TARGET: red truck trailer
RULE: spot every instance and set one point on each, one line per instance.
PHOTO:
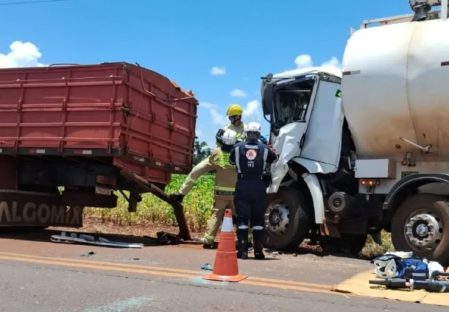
(71, 135)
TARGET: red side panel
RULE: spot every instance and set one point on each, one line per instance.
(115, 110)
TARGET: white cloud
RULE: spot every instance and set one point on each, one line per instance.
(21, 54)
(303, 61)
(238, 93)
(198, 132)
(207, 105)
(252, 112)
(332, 64)
(217, 70)
(217, 118)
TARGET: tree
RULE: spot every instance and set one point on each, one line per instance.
(200, 151)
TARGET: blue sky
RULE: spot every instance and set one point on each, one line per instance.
(218, 49)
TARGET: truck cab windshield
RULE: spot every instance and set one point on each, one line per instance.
(290, 104)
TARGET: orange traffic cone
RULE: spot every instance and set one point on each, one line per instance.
(225, 266)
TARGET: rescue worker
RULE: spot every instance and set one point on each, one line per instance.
(252, 159)
(225, 179)
(234, 113)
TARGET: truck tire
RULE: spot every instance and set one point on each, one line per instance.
(287, 220)
(421, 225)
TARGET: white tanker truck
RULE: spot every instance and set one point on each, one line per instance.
(366, 149)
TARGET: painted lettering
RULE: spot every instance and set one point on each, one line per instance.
(77, 215)
(5, 215)
(57, 214)
(16, 218)
(29, 212)
(43, 213)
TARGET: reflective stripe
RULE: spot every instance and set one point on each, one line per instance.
(224, 188)
(257, 228)
(242, 227)
(223, 193)
(265, 156)
(227, 226)
(251, 146)
(237, 159)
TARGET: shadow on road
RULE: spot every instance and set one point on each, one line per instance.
(320, 251)
(165, 238)
(43, 235)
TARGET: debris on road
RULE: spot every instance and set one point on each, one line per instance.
(81, 238)
(207, 267)
(90, 253)
(167, 238)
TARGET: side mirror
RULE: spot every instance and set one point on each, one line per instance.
(267, 98)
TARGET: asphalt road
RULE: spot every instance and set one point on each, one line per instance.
(38, 275)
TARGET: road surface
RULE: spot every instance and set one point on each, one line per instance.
(39, 275)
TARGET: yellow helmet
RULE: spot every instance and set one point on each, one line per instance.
(234, 110)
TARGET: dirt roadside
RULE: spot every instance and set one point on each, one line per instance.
(98, 226)
(109, 228)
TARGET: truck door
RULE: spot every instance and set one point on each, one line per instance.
(291, 108)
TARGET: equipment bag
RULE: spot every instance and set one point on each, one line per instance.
(391, 266)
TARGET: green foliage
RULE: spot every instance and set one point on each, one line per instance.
(372, 249)
(197, 206)
(200, 151)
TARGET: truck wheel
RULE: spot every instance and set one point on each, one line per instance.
(286, 219)
(421, 225)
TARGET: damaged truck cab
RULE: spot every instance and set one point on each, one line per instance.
(366, 149)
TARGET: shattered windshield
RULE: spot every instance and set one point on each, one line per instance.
(291, 103)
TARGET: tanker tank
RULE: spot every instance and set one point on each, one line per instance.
(395, 91)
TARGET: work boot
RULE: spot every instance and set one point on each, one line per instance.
(209, 243)
(212, 245)
(242, 255)
(258, 237)
(242, 244)
(259, 255)
(250, 246)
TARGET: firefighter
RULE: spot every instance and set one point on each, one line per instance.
(225, 179)
(234, 113)
(252, 159)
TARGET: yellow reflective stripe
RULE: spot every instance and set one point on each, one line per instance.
(224, 188)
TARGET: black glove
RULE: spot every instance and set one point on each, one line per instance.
(266, 178)
(219, 134)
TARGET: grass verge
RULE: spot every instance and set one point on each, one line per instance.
(198, 208)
